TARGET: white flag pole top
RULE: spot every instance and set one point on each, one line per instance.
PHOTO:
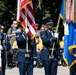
(18, 9)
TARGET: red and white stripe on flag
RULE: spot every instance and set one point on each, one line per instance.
(69, 10)
(25, 15)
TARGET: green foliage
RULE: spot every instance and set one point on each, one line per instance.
(7, 12)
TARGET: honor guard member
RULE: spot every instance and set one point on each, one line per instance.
(49, 37)
(27, 53)
(72, 70)
(4, 46)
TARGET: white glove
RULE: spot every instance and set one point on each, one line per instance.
(26, 30)
(34, 62)
(1, 48)
(56, 35)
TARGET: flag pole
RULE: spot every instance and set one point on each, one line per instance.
(27, 37)
(58, 23)
(18, 10)
(52, 56)
(27, 55)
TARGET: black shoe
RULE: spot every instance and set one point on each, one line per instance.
(14, 65)
(40, 65)
(64, 64)
(34, 65)
(9, 65)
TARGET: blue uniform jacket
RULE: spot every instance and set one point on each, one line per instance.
(6, 46)
(21, 42)
(48, 40)
(5, 42)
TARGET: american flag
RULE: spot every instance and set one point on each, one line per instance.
(25, 15)
(69, 10)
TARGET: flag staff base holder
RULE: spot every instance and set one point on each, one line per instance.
(51, 56)
(27, 55)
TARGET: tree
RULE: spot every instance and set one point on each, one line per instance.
(47, 9)
(7, 12)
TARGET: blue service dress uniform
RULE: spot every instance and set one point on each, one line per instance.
(73, 70)
(50, 65)
(25, 64)
(6, 46)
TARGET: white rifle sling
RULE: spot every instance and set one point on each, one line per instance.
(27, 45)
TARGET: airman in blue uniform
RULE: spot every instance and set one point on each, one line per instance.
(73, 70)
(49, 37)
(4, 46)
(24, 57)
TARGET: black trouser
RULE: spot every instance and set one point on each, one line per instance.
(3, 68)
(25, 69)
(50, 67)
(10, 59)
(1, 73)
(3, 55)
(73, 70)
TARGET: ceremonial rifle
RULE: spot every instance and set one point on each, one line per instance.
(52, 56)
